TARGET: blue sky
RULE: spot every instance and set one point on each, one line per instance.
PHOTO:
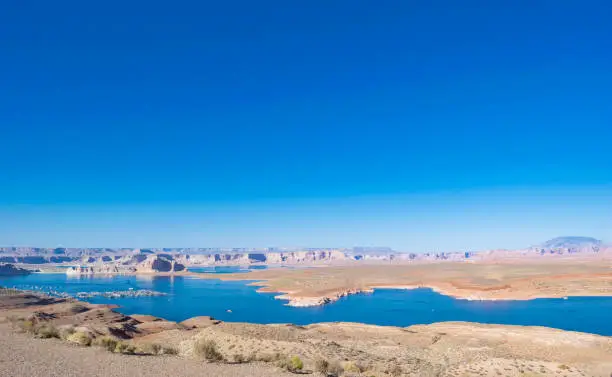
(421, 125)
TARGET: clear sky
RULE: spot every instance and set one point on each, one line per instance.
(421, 125)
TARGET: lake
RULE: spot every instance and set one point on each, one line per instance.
(189, 297)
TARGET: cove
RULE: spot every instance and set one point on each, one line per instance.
(189, 297)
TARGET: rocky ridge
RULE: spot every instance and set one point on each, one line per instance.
(116, 258)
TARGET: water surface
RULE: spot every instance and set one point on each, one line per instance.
(190, 297)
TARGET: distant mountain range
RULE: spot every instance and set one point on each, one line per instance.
(572, 242)
(119, 258)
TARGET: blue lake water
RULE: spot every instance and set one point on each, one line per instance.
(190, 297)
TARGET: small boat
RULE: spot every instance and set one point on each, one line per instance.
(229, 310)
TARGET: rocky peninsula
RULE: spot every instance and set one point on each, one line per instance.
(499, 280)
(7, 269)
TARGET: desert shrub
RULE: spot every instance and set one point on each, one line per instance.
(239, 358)
(296, 364)
(208, 349)
(26, 326)
(125, 348)
(266, 357)
(321, 366)
(292, 364)
(167, 350)
(354, 367)
(79, 337)
(350, 367)
(150, 348)
(107, 342)
(564, 367)
(283, 363)
(65, 332)
(335, 369)
(47, 331)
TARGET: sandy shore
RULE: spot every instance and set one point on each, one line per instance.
(470, 281)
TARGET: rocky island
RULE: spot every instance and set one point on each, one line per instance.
(7, 269)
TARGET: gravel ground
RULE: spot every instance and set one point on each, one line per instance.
(24, 356)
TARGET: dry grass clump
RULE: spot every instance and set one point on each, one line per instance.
(266, 357)
(107, 342)
(65, 332)
(239, 358)
(80, 338)
(167, 350)
(352, 367)
(25, 325)
(150, 348)
(321, 366)
(333, 368)
(293, 364)
(207, 349)
(47, 331)
(124, 348)
(156, 349)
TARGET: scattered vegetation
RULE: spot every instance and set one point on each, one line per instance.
(80, 337)
(107, 342)
(239, 358)
(293, 364)
(353, 367)
(26, 326)
(322, 366)
(47, 331)
(125, 348)
(208, 349)
(150, 348)
(65, 332)
(335, 369)
(169, 350)
(266, 357)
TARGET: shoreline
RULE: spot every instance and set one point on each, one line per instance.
(502, 291)
(297, 301)
(439, 348)
(149, 317)
(474, 294)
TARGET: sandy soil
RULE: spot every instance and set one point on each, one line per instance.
(478, 281)
(24, 356)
